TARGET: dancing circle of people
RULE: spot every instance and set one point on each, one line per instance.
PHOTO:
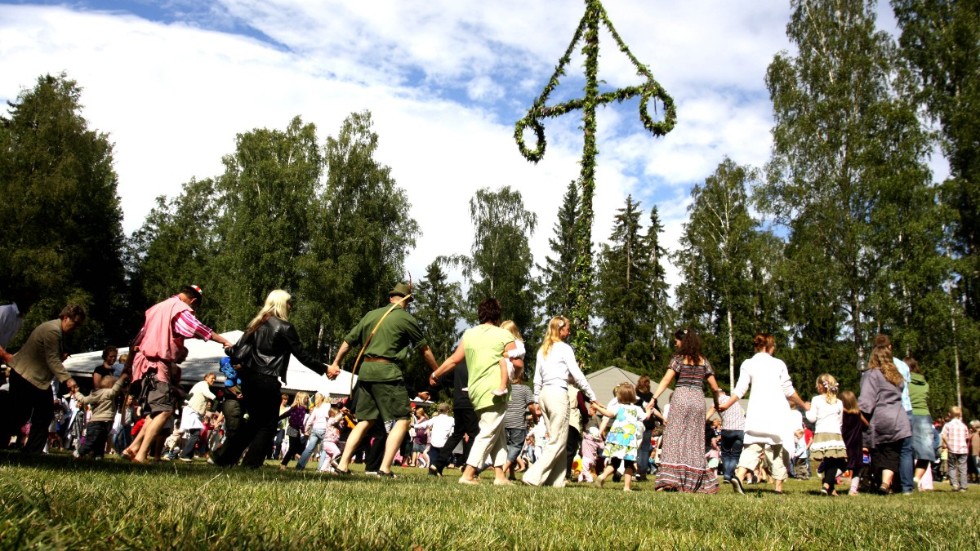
(554, 431)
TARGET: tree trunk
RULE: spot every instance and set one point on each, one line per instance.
(731, 352)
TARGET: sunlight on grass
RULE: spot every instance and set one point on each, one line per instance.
(54, 502)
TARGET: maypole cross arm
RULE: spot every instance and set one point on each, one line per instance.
(588, 33)
(595, 15)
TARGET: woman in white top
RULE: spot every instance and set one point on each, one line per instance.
(768, 410)
(555, 366)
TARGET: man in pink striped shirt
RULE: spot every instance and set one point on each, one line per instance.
(158, 349)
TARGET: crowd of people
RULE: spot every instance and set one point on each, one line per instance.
(881, 438)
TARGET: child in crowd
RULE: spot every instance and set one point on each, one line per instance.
(852, 433)
(955, 438)
(507, 368)
(329, 449)
(171, 446)
(591, 445)
(440, 428)
(827, 412)
(103, 404)
(713, 455)
(623, 440)
(801, 455)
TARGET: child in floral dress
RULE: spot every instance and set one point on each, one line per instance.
(623, 441)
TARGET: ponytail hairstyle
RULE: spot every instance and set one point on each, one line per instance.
(760, 342)
(553, 334)
(690, 348)
(827, 386)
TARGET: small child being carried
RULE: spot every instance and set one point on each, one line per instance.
(514, 362)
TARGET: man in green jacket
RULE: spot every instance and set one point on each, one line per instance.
(34, 366)
(388, 332)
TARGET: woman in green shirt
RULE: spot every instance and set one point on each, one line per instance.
(484, 347)
(923, 433)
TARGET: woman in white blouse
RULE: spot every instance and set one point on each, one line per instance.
(768, 411)
(555, 368)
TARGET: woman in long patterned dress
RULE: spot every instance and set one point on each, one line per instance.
(682, 463)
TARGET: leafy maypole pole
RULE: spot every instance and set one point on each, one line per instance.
(588, 33)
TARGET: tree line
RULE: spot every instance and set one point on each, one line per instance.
(841, 235)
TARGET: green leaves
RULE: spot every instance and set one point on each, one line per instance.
(61, 211)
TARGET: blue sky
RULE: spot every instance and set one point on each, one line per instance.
(172, 82)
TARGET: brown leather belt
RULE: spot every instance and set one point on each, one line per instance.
(377, 360)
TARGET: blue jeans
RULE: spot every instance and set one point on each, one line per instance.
(731, 449)
(315, 437)
(906, 464)
(193, 435)
(515, 441)
(643, 454)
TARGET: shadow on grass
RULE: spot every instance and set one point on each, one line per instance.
(65, 463)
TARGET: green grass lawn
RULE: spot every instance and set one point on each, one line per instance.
(53, 502)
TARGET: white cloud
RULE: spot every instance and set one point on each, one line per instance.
(445, 81)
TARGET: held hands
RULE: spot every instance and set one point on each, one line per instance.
(332, 371)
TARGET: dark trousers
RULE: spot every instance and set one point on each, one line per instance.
(193, 435)
(296, 446)
(466, 424)
(276, 450)
(26, 402)
(261, 397)
(731, 449)
(571, 448)
(376, 439)
(830, 467)
(96, 435)
(234, 415)
(643, 454)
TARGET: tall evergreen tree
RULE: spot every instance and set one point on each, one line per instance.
(847, 148)
(662, 315)
(941, 39)
(626, 292)
(558, 273)
(438, 303)
(63, 224)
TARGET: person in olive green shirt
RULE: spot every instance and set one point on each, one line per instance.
(34, 365)
(484, 347)
(381, 393)
(923, 432)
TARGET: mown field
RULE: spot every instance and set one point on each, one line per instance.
(53, 502)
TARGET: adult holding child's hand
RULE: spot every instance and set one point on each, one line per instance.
(556, 366)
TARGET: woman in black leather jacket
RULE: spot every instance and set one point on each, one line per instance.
(270, 340)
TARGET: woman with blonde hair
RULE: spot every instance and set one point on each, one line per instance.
(556, 366)
(881, 404)
(263, 353)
